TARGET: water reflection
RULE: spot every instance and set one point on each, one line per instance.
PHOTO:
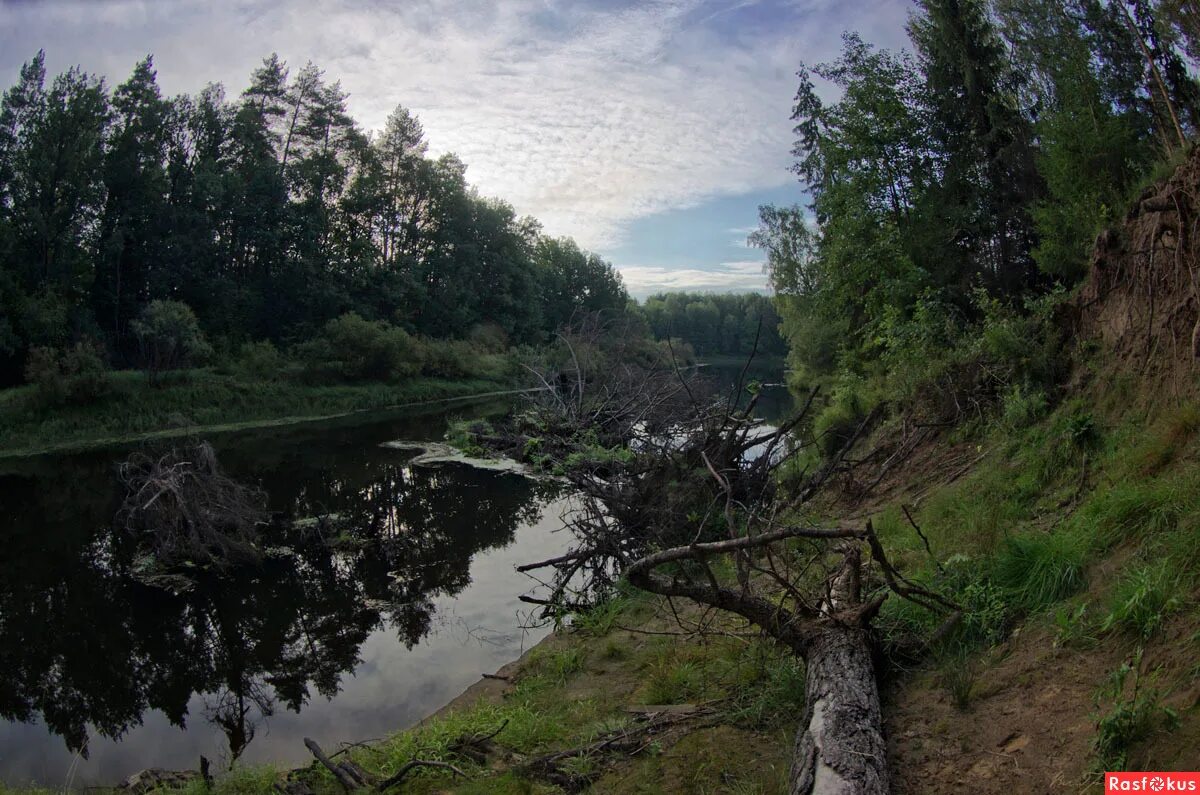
(90, 651)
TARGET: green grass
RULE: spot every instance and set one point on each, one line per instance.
(1134, 712)
(558, 665)
(959, 677)
(1038, 569)
(32, 790)
(193, 401)
(1142, 600)
(241, 780)
(1019, 534)
(674, 682)
(626, 603)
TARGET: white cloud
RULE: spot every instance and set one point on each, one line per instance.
(585, 117)
(729, 277)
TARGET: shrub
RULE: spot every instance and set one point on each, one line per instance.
(839, 421)
(76, 375)
(462, 435)
(355, 349)
(169, 337)
(986, 616)
(489, 337)
(260, 360)
(450, 359)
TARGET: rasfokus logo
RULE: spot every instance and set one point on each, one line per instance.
(1151, 782)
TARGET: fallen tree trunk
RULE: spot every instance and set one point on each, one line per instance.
(839, 748)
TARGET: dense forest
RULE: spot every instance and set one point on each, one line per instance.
(133, 221)
(957, 190)
(716, 325)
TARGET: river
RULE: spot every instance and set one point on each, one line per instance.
(102, 675)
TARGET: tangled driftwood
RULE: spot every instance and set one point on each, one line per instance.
(701, 482)
(186, 510)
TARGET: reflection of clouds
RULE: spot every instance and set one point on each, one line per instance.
(585, 115)
(390, 689)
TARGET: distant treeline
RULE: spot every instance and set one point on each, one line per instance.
(716, 325)
(269, 215)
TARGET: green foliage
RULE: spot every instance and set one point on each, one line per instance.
(673, 682)
(352, 348)
(1132, 509)
(1134, 713)
(1022, 406)
(134, 409)
(716, 325)
(1073, 627)
(574, 282)
(1168, 439)
(943, 183)
(489, 337)
(241, 780)
(1142, 600)
(1038, 569)
(76, 375)
(959, 676)
(464, 435)
(260, 360)
(841, 417)
(557, 665)
(623, 604)
(988, 613)
(597, 457)
(169, 337)
(449, 359)
(771, 687)
(114, 199)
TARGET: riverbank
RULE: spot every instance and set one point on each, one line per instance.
(685, 714)
(191, 402)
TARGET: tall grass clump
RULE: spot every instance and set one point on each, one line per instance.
(1038, 569)
(1142, 600)
(1132, 509)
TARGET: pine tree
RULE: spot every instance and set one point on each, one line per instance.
(132, 242)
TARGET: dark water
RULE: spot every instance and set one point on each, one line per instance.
(775, 403)
(418, 601)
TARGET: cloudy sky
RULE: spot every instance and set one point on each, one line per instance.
(648, 131)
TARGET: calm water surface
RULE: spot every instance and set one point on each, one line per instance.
(419, 599)
(339, 646)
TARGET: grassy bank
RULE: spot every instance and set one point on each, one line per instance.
(201, 400)
(1073, 543)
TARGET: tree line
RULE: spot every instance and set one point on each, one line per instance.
(716, 324)
(958, 186)
(267, 215)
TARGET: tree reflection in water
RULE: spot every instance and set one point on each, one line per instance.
(84, 643)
